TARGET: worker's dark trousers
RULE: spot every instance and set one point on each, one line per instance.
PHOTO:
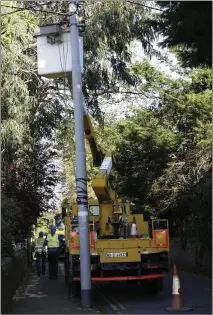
(53, 264)
(40, 263)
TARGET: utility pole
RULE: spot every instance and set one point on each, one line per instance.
(81, 177)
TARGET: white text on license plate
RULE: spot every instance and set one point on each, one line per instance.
(112, 255)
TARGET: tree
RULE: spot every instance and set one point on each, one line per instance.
(187, 28)
(10, 217)
(107, 46)
(164, 154)
(142, 153)
(111, 26)
(162, 149)
(29, 118)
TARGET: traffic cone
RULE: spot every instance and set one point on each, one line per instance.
(133, 228)
(177, 296)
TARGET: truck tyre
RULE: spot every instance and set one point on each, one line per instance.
(77, 288)
(156, 287)
(74, 286)
(66, 268)
(160, 290)
(70, 276)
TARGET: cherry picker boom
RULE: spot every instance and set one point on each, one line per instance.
(123, 246)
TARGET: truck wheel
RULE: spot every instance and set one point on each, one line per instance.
(70, 277)
(160, 290)
(131, 282)
(74, 286)
(77, 288)
(66, 269)
(156, 287)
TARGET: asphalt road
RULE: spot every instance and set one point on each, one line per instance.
(133, 298)
(42, 296)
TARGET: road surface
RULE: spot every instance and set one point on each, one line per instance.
(132, 298)
(42, 296)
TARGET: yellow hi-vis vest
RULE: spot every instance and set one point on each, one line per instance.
(53, 241)
(39, 248)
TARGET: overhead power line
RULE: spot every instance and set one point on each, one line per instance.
(12, 12)
(143, 5)
(31, 9)
(63, 14)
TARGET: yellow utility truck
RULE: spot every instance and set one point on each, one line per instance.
(123, 246)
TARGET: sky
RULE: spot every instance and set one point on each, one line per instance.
(138, 56)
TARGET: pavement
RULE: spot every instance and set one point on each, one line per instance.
(43, 296)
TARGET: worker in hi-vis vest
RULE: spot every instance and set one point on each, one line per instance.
(40, 254)
(53, 250)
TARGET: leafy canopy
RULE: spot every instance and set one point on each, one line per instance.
(186, 28)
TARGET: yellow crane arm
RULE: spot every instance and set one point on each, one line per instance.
(100, 183)
(97, 153)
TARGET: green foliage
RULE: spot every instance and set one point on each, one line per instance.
(111, 26)
(182, 105)
(199, 223)
(186, 28)
(162, 149)
(29, 118)
(68, 176)
(11, 214)
(163, 153)
(142, 153)
(43, 221)
(107, 47)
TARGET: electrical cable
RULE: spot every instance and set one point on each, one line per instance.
(12, 12)
(63, 70)
(143, 5)
(45, 3)
(71, 142)
(22, 9)
(65, 14)
(33, 9)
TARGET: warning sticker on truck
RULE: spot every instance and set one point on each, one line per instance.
(112, 255)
